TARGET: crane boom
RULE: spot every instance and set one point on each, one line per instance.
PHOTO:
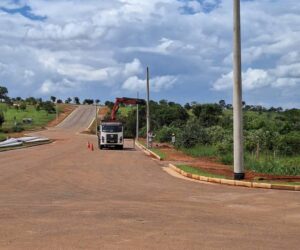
(125, 100)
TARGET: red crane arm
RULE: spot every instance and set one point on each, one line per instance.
(125, 100)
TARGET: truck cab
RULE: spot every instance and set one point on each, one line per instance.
(110, 134)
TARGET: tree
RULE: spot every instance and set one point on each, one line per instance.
(68, 100)
(109, 104)
(3, 92)
(53, 98)
(31, 101)
(23, 106)
(167, 114)
(59, 101)
(187, 106)
(97, 101)
(88, 101)
(2, 118)
(163, 102)
(76, 100)
(222, 103)
(208, 114)
(192, 134)
(48, 106)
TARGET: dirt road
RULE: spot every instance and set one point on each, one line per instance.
(62, 196)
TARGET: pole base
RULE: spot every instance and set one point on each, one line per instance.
(239, 176)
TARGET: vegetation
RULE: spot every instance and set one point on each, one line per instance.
(14, 118)
(17, 114)
(272, 136)
(197, 171)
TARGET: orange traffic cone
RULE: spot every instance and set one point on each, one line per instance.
(88, 145)
(92, 147)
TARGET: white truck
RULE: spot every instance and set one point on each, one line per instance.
(111, 135)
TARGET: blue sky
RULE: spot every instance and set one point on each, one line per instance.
(100, 49)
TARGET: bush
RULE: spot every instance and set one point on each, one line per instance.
(2, 119)
(208, 114)
(192, 134)
(48, 106)
(216, 134)
(165, 134)
(226, 158)
(289, 144)
(23, 106)
(17, 129)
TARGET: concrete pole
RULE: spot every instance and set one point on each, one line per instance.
(148, 107)
(239, 172)
(96, 120)
(56, 111)
(137, 119)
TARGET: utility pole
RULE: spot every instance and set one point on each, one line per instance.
(137, 119)
(148, 107)
(96, 120)
(56, 111)
(239, 172)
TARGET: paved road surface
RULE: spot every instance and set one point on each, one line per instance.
(62, 196)
(79, 119)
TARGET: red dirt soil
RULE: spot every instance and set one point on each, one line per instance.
(67, 110)
(211, 165)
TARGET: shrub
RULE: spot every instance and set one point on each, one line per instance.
(165, 134)
(49, 107)
(289, 144)
(192, 134)
(208, 114)
(23, 106)
(2, 119)
(17, 129)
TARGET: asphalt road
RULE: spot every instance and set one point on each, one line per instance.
(63, 196)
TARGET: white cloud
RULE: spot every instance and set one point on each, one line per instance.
(50, 87)
(108, 43)
(133, 68)
(280, 77)
(157, 84)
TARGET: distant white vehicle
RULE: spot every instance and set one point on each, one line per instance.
(111, 135)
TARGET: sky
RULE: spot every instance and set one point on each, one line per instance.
(100, 49)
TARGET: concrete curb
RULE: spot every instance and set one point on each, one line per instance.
(147, 151)
(248, 184)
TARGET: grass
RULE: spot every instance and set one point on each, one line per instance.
(162, 155)
(201, 151)
(2, 137)
(209, 152)
(281, 165)
(12, 116)
(197, 171)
